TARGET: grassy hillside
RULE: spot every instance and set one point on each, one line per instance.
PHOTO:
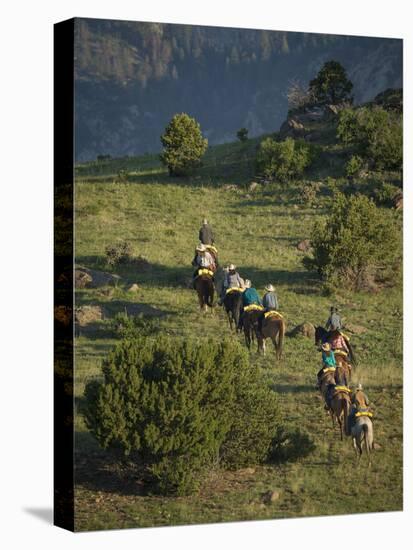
(258, 231)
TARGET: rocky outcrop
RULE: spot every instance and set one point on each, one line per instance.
(84, 315)
(304, 246)
(305, 329)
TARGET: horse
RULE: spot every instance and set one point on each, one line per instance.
(342, 374)
(363, 431)
(322, 335)
(340, 409)
(232, 303)
(272, 327)
(204, 286)
(250, 320)
(326, 379)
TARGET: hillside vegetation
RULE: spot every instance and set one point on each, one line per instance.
(258, 228)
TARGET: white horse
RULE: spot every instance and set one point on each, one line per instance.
(363, 430)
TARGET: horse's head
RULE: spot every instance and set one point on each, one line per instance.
(319, 334)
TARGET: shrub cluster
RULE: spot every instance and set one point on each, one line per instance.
(118, 253)
(130, 326)
(376, 135)
(357, 242)
(181, 408)
(282, 160)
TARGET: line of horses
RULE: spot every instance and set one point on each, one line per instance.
(251, 320)
(258, 327)
(336, 380)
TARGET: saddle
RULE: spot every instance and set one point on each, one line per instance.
(253, 307)
(269, 314)
(341, 389)
(329, 369)
(340, 352)
(205, 271)
(364, 412)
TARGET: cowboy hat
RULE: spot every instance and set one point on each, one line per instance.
(205, 221)
(326, 346)
(359, 387)
(247, 283)
(231, 267)
(269, 288)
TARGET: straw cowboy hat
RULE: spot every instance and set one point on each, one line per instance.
(326, 346)
(247, 283)
(201, 248)
(232, 267)
(359, 387)
(205, 221)
(269, 288)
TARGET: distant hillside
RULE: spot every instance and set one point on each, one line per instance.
(132, 77)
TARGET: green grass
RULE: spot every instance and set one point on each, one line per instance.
(258, 231)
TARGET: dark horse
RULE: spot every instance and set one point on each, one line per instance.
(250, 320)
(273, 327)
(321, 335)
(232, 304)
(204, 285)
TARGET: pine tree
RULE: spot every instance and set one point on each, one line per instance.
(331, 84)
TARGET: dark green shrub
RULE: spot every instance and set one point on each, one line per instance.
(308, 192)
(282, 160)
(181, 407)
(242, 134)
(118, 253)
(385, 194)
(356, 243)
(375, 133)
(183, 145)
(131, 326)
(331, 84)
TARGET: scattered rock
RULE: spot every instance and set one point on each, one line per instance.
(305, 329)
(99, 278)
(398, 200)
(133, 288)
(304, 246)
(271, 496)
(253, 185)
(63, 314)
(296, 207)
(246, 471)
(82, 278)
(88, 314)
(355, 329)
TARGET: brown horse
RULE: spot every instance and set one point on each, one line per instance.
(250, 320)
(274, 328)
(342, 374)
(340, 409)
(204, 286)
(326, 379)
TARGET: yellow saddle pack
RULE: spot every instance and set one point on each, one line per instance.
(211, 247)
(253, 307)
(363, 413)
(340, 352)
(329, 369)
(276, 314)
(234, 289)
(339, 389)
(205, 271)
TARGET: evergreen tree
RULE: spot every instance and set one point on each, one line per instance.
(183, 145)
(331, 84)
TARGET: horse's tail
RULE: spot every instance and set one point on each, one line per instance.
(346, 413)
(281, 334)
(368, 438)
(236, 309)
(209, 294)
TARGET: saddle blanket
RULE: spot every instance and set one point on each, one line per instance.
(205, 271)
(211, 247)
(273, 314)
(363, 413)
(253, 307)
(234, 289)
(340, 352)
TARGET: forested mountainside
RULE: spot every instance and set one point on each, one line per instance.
(132, 77)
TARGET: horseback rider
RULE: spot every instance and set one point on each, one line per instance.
(250, 297)
(270, 300)
(232, 279)
(360, 403)
(334, 321)
(328, 361)
(206, 235)
(203, 259)
(338, 342)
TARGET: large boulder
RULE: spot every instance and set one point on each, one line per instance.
(82, 278)
(305, 329)
(304, 246)
(398, 200)
(293, 128)
(97, 278)
(84, 315)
